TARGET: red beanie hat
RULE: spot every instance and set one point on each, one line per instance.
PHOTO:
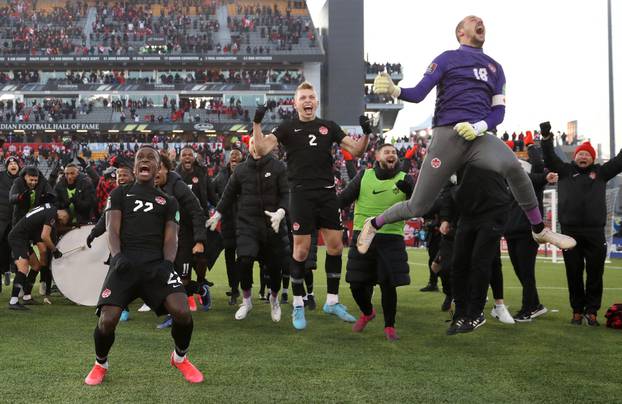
(586, 146)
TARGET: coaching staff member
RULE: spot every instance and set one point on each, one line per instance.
(582, 211)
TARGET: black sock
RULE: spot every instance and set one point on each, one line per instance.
(309, 281)
(389, 304)
(30, 281)
(46, 276)
(285, 281)
(362, 296)
(297, 275)
(18, 283)
(333, 273)
(182, 333)
(103, 343)
(537, 228)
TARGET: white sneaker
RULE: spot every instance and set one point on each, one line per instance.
(243, 311)
(144, 308)
(502, 314)
(557, 239)
(275, 309)
(366, 236)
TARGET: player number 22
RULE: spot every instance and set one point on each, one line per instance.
(148, 206)
(312, 140)
(481, 74)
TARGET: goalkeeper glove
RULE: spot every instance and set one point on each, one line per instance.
(545, 129)
(275, 218)
(383, 85)
(471, 131)
(212, 222)
(259, 114)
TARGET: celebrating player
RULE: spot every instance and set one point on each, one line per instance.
(142, 225)
(308, 140)
(470, 102)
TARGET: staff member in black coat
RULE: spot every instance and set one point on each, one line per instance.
(582, 211)
(75, 193)
(258, 187)
(29, 190)
(6, 213)
(227, 225)
(191, 237)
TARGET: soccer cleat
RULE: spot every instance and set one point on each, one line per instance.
(190, 372)
(469, 326)
(522, 316)
(340, 311)
(539, 311)
(243, 311)
(144, 308)
(31, 302)
(366, 236)
(390, 333)
(455, 325)
(192, 304)
(430, 287)
(502, 314)
(167, 323)
(577, 319)
(362, 321)
(7, 278)
(310, 302)
(446, 306)
(275, 309)
(17, 306)
(298, 318)
(206, 297)
(96, 375)
(125, 315)
(557, 239)
(590, 319)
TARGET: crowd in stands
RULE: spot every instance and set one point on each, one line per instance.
(391, 68)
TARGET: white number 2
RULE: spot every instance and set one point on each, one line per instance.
(312, 140)
(481, 74)
(148, 206)
(173, 279)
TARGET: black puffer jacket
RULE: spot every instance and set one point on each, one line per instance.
(227, 223)
(200, 185)
(84, 200)
(6, 209)
(256, 186)
(192, 218)
(21, 201)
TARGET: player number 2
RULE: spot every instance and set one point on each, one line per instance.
(173, 279)
(148, 206)
(312, 140)
(481, 74)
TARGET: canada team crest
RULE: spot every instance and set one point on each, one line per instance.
(160, 200)
(106, 293)
(436, 162)
(323, 130)
(195, 180)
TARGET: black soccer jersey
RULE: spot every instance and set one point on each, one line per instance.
(30, 226)
(308, 146)
(145, 211)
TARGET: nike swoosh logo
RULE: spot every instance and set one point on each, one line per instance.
(297, 130)
(130, 195)
(575, 175)
(378, 192)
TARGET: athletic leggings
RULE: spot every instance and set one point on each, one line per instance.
(362, 293)
(448, 152)
(231, 269)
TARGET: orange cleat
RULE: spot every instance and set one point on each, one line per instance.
(192, 304)
(96, 375)
(190, 372)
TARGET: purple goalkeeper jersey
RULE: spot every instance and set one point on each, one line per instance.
(469, 83)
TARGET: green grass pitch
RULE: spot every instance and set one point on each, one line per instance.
(45, 353)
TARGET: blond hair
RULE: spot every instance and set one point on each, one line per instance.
(304, 86)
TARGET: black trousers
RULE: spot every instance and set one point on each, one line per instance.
(476, 247)
(496, 276)
(434, 244)
(523, 252)
(589, 256)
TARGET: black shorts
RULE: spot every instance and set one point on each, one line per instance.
(20, 248)
(252, 245)
(314, 209)
(386, 261)
(152, 282)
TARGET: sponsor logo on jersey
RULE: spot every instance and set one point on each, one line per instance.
(378, 192)
(195, 180)
(593, 175)
(323, 130)
(436, 162)
(492, 68)
(297, 130)
(160, 200)
(106, 293)
(431, 68)
(295, 226)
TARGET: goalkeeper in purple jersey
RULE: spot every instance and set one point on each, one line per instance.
(470, 102)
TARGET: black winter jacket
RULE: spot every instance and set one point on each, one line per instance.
(192, 219)
(227, 223)
(6, 209)
(84, 199)
(19, 196)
